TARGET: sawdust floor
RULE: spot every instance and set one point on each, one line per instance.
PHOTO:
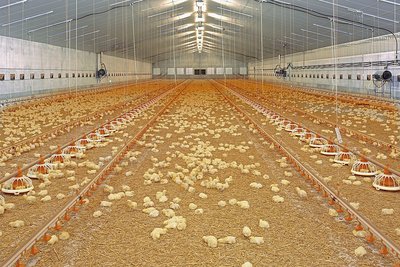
(301, 232)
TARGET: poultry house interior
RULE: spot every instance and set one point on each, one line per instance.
(199, 133)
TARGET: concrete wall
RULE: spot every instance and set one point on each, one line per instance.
(48, 68)
(356, 62)
(210, 61)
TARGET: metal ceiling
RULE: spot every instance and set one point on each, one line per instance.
(165, 28)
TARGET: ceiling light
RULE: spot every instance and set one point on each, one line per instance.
(317, 33)
(235, 12)
(358, 11)
(28, 18)
(200, 19)
(389, 2)
(51, 25)
(308, 37)
(64, 32)
(327, 28)
(199, 3)
(82, 35)
(121, 2)
(13, 4)
(165, 12)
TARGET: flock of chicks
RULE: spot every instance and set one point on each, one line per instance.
(26, 121)
(65, 176)
(191, 164)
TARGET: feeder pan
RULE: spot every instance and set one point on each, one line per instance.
(121, 121)
(95, 137)
(387, 181)
(275, 119)
(111, 128)
(317, 142)
(115, 124)
(363, 167)
(290, 127)
(307, 136)
(282, 123)
(330, 149)
(299, 131)
(266, 113)
(126, 117)
(130, 115)
(73, 150)
(344, 157)
(17, 185)
(59, 157)
(2, 200)
(84, 142)
(41, 168)
(103, 132)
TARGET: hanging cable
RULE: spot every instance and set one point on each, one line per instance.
(134, 45)
(173, 40)
(262, 47)
(222, 43)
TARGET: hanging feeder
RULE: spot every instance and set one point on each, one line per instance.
(121, 121)
(18, 185)
(103, 132)
(299, 131)
(317, 142)
(84, 142)
(363, 167)
(73, 150)
(307, 136)
(290, 127)
(344, 157)
(111, 128)
(330, 149)
(387, 181)
(275, 119)
(42, 168)
(283, 123)
(59, 157)
(95, 137)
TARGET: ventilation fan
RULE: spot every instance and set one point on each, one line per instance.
(380, 78)
(280, 72)
(102, 72)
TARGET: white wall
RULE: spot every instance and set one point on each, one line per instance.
(201, 61)
(32, 58)
(315, 63)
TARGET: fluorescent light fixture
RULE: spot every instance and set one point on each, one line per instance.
(28, 18)
(82, 35)
(296, 40)
(307, 37)
(182, 16)
(218, 27)
(389, 2)
(199, 3)
(13, 4)
(64, 32)
(359, 11)
(316, 33)
(381, 18)
(164, 12)
(121, 2)
(99, 37)
(235, 12)
(327, 28)
(51, 25)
